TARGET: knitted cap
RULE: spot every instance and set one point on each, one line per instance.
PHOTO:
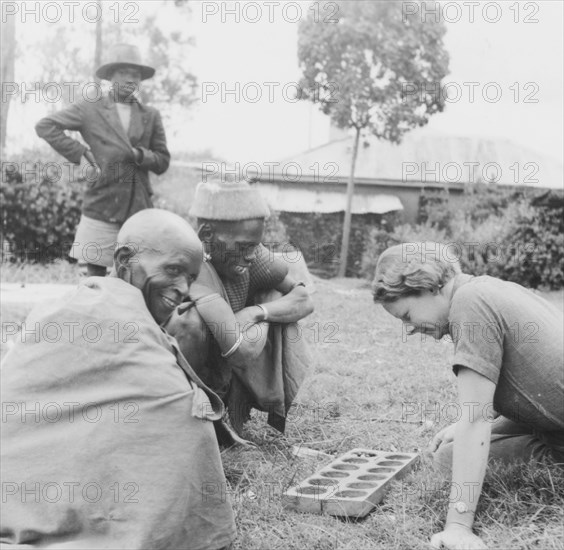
(228, 201)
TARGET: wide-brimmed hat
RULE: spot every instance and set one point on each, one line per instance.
(123, 54)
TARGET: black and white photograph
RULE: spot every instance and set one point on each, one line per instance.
(282, 275)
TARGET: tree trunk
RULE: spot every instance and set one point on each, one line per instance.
(98, 50)
(348, 210)
(7, 75)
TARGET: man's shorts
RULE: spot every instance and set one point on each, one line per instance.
(95, 242)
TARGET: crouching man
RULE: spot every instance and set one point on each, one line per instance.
(107, 434)
(241, 337)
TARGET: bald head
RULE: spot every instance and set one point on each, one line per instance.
(149, 229)
(159, 253)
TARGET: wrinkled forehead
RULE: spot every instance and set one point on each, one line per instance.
(188, 258)
(240, 230)
(164, 241)
(177, 245)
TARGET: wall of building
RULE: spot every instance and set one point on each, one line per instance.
(408, 193)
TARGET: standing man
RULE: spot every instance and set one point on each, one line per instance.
(126, 140)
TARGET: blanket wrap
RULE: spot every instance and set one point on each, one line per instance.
(107, 439)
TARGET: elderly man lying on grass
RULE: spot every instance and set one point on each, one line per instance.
(241, 338)
(107, 439)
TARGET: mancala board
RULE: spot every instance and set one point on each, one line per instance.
(351, 485)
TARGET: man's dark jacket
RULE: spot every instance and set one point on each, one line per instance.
(123, 187)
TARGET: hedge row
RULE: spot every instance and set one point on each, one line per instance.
(514, 236)
(318, 236)
(39, 213)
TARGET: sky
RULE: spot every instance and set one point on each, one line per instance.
(508, 54)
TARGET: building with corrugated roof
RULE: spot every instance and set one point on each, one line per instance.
(391, 177)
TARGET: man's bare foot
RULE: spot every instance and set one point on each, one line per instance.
(227, 437)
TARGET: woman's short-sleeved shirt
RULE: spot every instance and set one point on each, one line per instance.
(515, 338)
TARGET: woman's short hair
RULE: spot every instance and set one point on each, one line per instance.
(410, 268)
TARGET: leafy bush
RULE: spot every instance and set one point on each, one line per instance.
(275, 235)
(496, 232)
(39, 212)
(319, 236)
(539, 262)
(378, 240)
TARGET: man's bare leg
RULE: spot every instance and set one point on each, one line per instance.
(227, 437)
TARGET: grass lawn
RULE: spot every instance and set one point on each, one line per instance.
(371, 387)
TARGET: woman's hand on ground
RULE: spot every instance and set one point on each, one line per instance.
(446, 435)
(457, 537)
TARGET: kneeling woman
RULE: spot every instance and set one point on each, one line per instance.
(508, 356)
